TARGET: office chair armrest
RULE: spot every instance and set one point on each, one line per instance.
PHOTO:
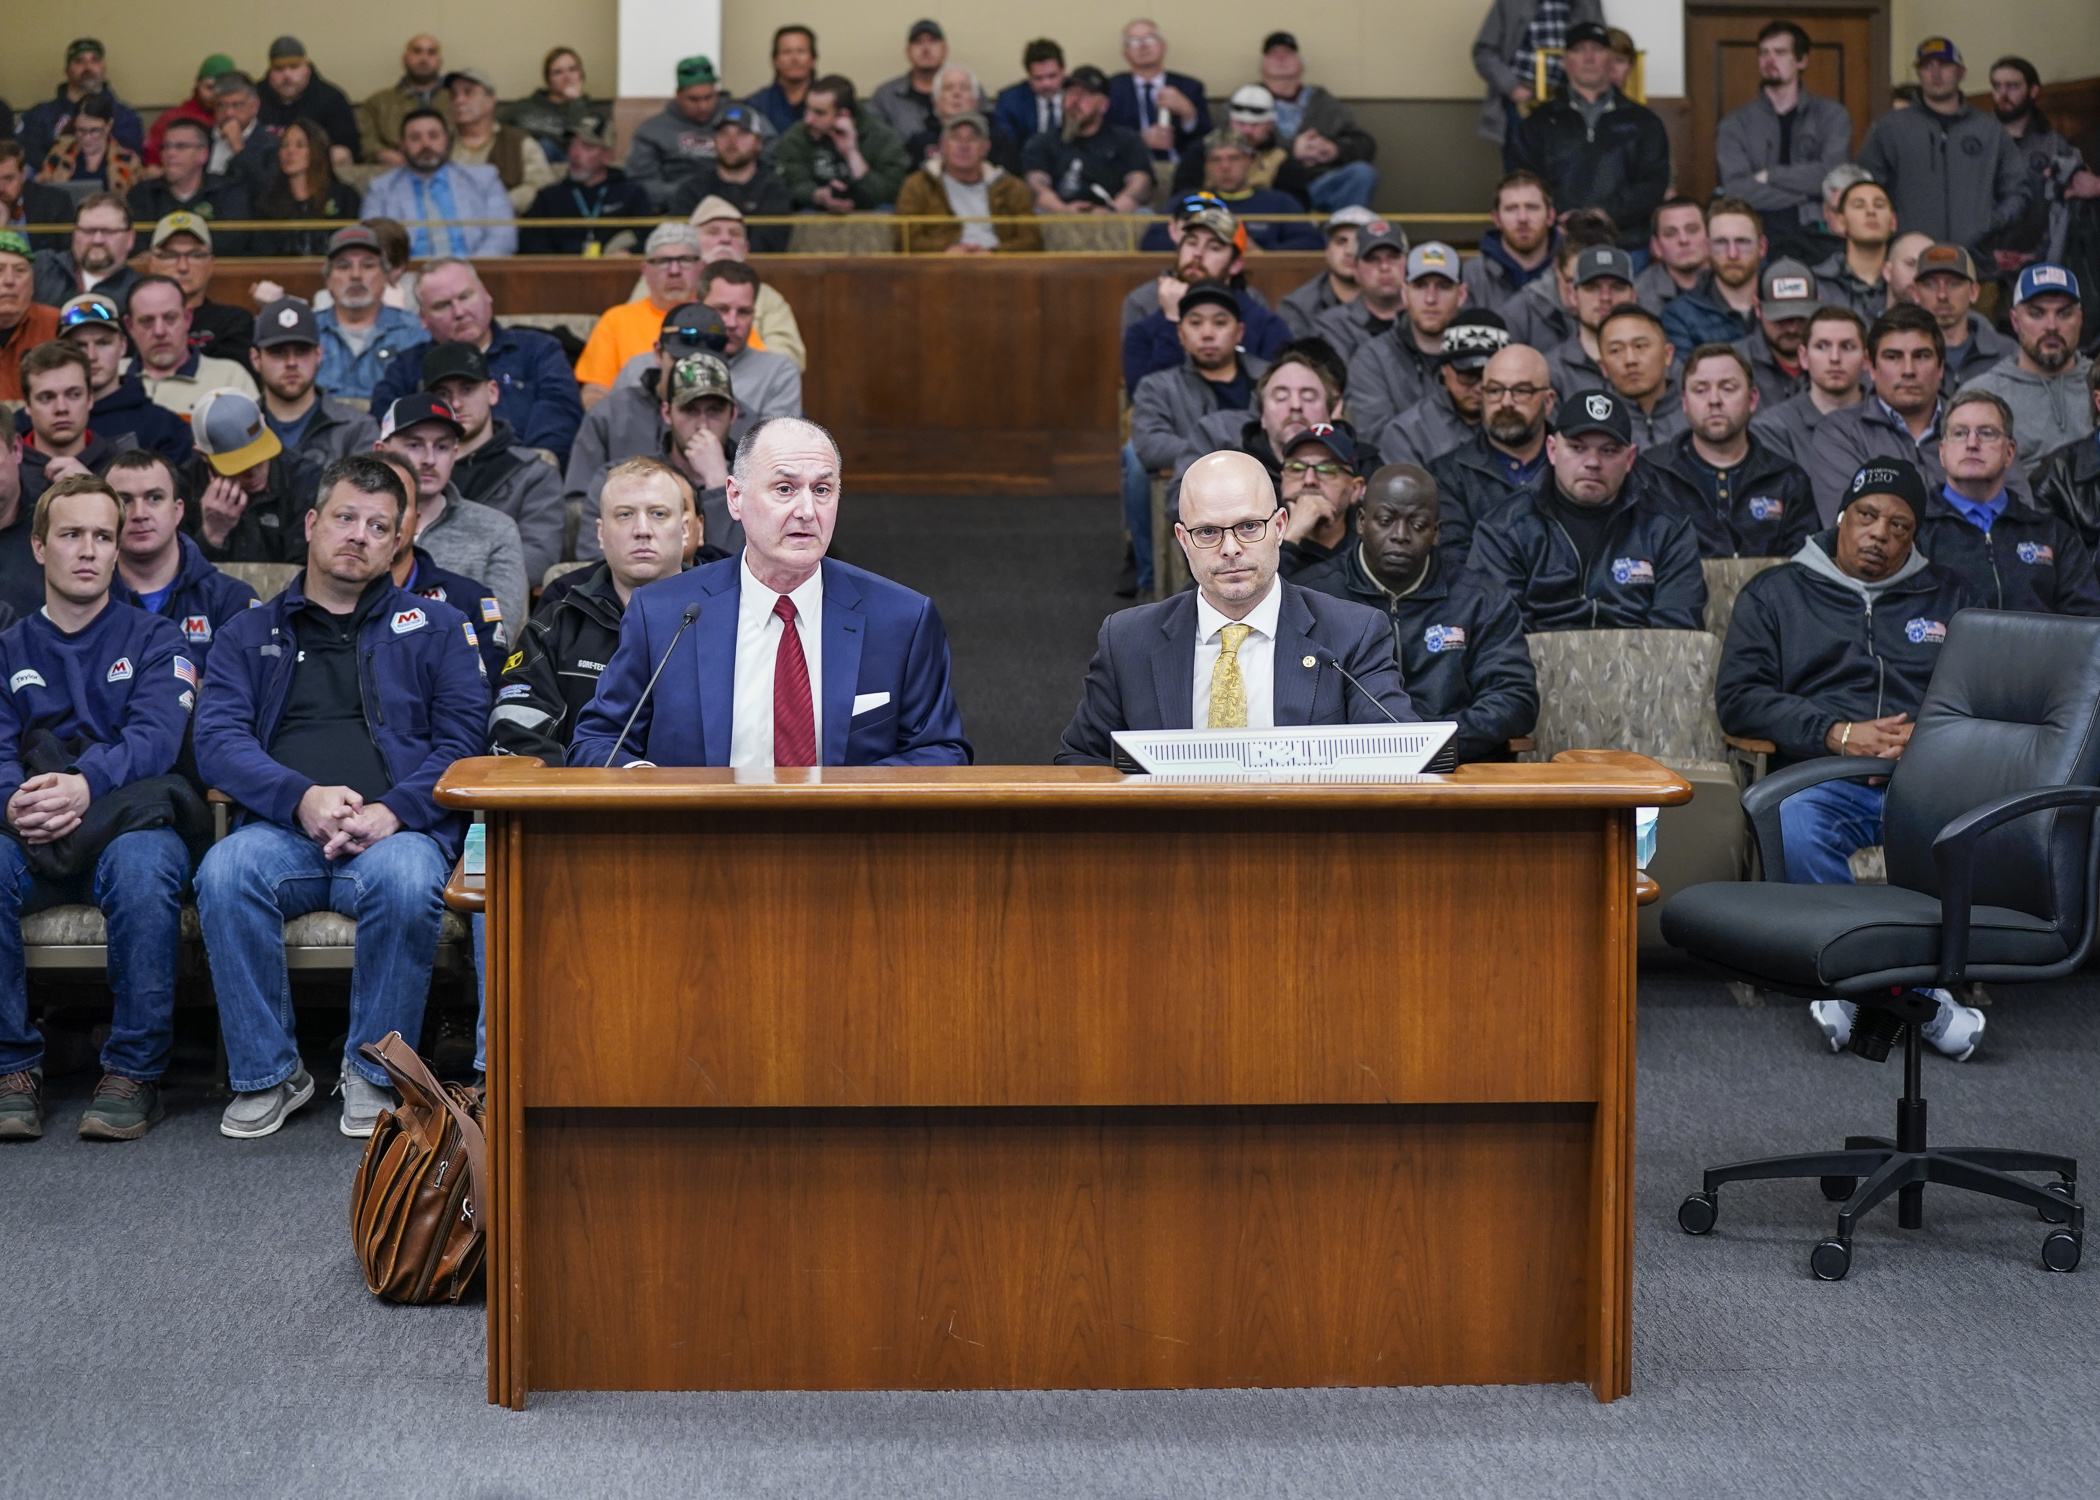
(1954, 852)
(1761, 801)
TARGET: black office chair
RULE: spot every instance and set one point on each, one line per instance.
(1993, 867)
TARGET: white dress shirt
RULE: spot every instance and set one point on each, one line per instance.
(757, 649)
(1049, 112)
(1257, 657)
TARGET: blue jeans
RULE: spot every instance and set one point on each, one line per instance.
(1823, 825)
(1137, 514)
(252, 883)
(480, 925)
(137, 882)
(1353, 182)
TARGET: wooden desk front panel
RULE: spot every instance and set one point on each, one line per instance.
(1013, 958)
(935, 1249)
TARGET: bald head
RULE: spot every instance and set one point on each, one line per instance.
(1516, 364)
(1402, 484)
(1400, 525)
(1220, 493)
(1516, 395)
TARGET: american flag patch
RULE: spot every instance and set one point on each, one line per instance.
(186, 670)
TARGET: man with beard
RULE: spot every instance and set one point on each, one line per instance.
(1774, 151)
(123, 411)
(1450, 414)
(24, 322)
(685, 136)
(286, 357)
(2044, 384)
(95, 260)
(1336, 284)
(1833, 358)
(87, 76)
(1322, 483)
(1951, 172)
(2056, 170)
(492, 468)
(1945, 286)
(293, 90)
(1391, 371)
(1519, 249)
(740, 176)
(1638, 363)
(1786, 300)
(1746, 500)
(1459, 640)
(1208, 252)
(1679, 260)
(1726, 310)
(1507, 454)
(1584, 549)
(360, 335)
(469, 205)
(1857, 276)
(382, 118)
(1602, 283)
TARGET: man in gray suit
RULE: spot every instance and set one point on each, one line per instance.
(1244, 650)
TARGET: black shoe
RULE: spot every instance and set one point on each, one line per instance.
(123, 1109)
(22, 1105)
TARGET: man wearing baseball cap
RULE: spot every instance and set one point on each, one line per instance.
(1601, 283)
(1951, 171)
(700, 415)
(593, 189)
(960, 186)
(245, 498)
(685, 137)
(1381, 291)
(492, 467)
(1301, 308)
(183, 250)
(122, 411)
(1583, 549)
(1786, 301)
(2044, 384)
(1333, 154)
(1091, 165)
(671, 263)
(467, 538)
(1946, 286)
(294, 90)
(421, 574)
(1449, 415)
(1227, 164)
(479, 139)
(361, 336)
(742, 176)
(1207, 250)
(1322, 482)
(286, 358)
(87, 76)
(1592, 146)
(1392, 371)
(905, 103)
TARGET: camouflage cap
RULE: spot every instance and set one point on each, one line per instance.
(697, 376)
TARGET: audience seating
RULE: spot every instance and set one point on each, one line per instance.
(1725, 577)
(266, 578)
(556, 570)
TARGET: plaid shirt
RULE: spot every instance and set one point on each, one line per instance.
(1548, 31)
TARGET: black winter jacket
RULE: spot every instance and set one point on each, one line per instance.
(1771, 507)
(2067, 484)
(1622, 166)
(1645, 575)
(1469, 488)
(554, 672)
(2029, 559)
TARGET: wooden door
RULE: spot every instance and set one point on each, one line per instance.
(1721, 72)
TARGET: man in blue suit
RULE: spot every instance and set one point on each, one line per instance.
(1136, 98)
(1036, 103)
(794, 659)
(1245, 650)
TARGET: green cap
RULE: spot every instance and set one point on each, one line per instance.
(84, 44)
(698, 376)
(692, 70)
(14, 242)
(215, 65)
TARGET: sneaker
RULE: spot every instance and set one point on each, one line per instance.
(1834, 1017)
(123, 1109)
(1956, 1030)
(22, 1105)
(251, 1116)
(363, 1102)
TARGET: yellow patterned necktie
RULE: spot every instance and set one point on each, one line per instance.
(1228, 690)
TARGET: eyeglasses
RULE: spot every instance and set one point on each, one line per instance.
(683, 262)
(1512, 392)
(1979, 434)
(1299, 467)
(182, 257)
(1208, 537)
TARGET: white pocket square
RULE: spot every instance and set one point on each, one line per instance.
(863, 702)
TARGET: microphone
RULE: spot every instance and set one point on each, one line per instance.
(685, 623)
(1327, 658)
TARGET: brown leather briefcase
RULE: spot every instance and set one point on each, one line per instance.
(415, 1206)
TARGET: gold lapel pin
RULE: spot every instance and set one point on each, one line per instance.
(1308, 661)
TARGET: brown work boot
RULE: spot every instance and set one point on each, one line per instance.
(22, 1105)
(123, 1109)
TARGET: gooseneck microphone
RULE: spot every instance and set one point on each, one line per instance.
(685, 623)
(1327, 658)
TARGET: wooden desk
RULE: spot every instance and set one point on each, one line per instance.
(1011, 1077)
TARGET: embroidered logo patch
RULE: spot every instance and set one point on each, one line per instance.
(1765, 508)
(1791, 289)
(515, 658)
(121, 672)
(435, 591)
(516, 690)
(467, 630)
(409, 619)
(491, 611)
(268, 518)
(187, 700)
(1632, 570)
(1445, 638)
(2036, 554)
(27, 677)
(1599, 408)
(197, 627)
(1925, 632)
(186, 670)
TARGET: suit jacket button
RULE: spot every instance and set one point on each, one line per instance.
(1308, 661)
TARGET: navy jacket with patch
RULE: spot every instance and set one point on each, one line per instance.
(484, 611)
(122, 688)
(1771, 506)
(2029, 559)
(1459, 642)
(426, 704)
(202, 602)
(1645, 576)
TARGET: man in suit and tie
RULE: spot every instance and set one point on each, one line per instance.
(1245, 650)
(794, 659)
(1170, 110)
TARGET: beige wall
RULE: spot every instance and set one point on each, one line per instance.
(155, 48)
(1388, 49)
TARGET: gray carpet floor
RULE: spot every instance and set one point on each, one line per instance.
(185, 1318)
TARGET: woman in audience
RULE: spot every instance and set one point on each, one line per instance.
(304, 187)
(547, 113)
(90, 152)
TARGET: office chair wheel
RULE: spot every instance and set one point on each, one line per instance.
(2056, 1215)
(1697, 1213)
(2061, 1250)
(1838, 1189)
(1832, 1259)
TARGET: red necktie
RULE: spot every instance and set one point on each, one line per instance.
(794, 721)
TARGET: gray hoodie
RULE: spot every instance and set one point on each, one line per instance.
(2048, 410)
(482, 544)
(1823, 565)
